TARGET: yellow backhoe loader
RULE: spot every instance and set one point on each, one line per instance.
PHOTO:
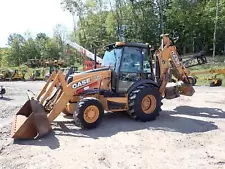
(121, 84)
(12, 75)
(215, 81)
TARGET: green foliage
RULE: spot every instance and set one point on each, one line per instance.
(191, 20)
(100, 22)
(21, 49)
(3, 57)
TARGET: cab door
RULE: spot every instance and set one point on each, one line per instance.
(131, 68)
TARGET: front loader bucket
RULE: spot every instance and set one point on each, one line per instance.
(30, 122)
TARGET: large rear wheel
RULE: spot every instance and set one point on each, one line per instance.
(89, 113)
(145, 103)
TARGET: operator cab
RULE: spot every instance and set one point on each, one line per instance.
(129, 62)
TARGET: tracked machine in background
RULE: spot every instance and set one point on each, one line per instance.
(121, 84)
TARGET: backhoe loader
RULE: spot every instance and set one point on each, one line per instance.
(121, 84)
(215, 81)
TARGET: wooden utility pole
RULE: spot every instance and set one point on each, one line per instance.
(215, 28)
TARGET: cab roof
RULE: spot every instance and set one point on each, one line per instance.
(129, 44)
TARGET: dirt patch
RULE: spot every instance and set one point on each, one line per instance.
(189, 133)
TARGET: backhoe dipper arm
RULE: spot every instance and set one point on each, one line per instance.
(43, 91)
(168, 54)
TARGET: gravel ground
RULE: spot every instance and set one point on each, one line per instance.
(189, 134)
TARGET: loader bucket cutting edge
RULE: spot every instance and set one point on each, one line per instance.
(30, 122)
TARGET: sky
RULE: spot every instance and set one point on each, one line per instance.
(20, 16)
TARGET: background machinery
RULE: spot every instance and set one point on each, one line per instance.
(36, 63)
(12, 74)
(121, 84)
(2, 91)
(72, 69)
(215, 81)
(195, 60)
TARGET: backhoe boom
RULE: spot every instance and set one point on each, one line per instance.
(169, 63)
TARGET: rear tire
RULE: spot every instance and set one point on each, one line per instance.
(137, 107)
(89, 113)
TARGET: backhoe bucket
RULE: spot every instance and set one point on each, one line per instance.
(30, 122)
(186, 89)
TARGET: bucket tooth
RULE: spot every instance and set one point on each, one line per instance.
(30, 122)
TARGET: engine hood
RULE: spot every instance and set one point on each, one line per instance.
(90, 71)
(82, 74)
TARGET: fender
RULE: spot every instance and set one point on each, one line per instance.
(144, 81)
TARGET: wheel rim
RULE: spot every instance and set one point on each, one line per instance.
(91, 114)
(148, 104)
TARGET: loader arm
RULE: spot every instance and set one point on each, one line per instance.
(167, 55)
(34, 118)
(43, 91)
(66, 92)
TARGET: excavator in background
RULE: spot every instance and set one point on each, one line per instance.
(121, 84)
(88, 64)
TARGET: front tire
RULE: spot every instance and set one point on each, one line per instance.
(89, 113)
(145, 103)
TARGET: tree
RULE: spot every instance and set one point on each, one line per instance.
(60, 34)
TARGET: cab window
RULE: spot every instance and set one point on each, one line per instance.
(132, 60)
